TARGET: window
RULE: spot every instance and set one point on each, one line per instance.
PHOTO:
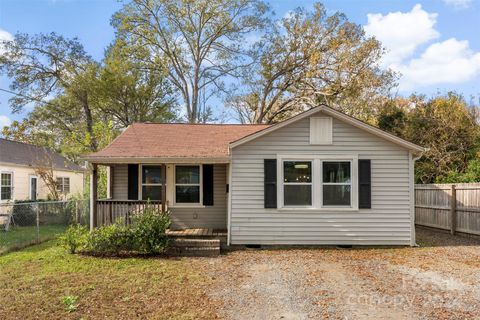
(6, 186)
(325, 182)
(151, 182)
(297, 183)
(63, 185)
(187, 184)
(337, 183)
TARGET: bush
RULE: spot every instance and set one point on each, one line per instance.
(148, 231)
(24, 214)
(145, 235)
(74, 238)
(110, 239)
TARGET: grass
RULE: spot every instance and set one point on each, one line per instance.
(19, 237)
(46, 282)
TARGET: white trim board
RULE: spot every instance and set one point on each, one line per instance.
(338, 115)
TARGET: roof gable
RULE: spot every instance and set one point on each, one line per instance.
(335, 114)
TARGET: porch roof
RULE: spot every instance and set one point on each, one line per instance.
(176, 142)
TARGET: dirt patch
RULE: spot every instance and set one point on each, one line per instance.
(440, 280)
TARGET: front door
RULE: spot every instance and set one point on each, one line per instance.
(33, 188)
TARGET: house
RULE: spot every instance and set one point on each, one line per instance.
(321, 177)
(20, 165)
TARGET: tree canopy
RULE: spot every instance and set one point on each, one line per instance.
(170, 58)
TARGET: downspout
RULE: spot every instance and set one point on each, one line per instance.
(229, 204)
(412, 159)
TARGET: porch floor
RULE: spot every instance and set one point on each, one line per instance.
(197, 233)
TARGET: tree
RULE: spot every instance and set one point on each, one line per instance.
(46, 65)
(80, 105)
(201, 41)
(129, 92)
(312, 58)
(446, 125)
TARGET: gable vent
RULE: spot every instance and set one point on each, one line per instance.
(321, 130)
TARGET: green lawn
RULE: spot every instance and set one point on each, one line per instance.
(18, 237)
(40, 281)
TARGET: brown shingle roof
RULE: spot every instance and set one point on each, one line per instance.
(29, 155)
(175, 140)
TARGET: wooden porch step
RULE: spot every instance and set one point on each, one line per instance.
(195, 247)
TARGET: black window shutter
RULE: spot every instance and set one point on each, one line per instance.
(364, 184)
(270, 189)
(208, 184)
(133, 182)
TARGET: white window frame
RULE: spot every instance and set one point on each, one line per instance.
(282, 181)
(317, 180)
(62, 185)
(30, 177)
(140, 180)
(12, 196)
(199, 184)
(338, 184)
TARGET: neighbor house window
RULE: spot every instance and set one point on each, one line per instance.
(63, 185)
(6, 186)
(337, 183)
(297, 183)
(151, 182)
(187, 184)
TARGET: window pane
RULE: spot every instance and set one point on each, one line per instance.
(297, 195)
(66, 185)
(336, 172)
(6, 193)
(188, 194)
(334, 195)
(152, 193)
(187, 174)
(297, 171)
(59, 184)
(151, 174)
(6, 179)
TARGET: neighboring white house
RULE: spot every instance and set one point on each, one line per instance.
(321, 177)
(19, 179)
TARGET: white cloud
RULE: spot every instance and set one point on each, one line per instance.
(442, 62)
(450, 61)
(4, 121)
(4, 36)
(402, 32)
(458, 4)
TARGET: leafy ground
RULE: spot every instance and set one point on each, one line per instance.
(18, 237)
(439, 280)
(40, 282)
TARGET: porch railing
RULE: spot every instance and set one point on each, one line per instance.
(110, 211)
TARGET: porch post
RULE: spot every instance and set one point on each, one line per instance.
(93, 196)
(164, 191)
(110, 173)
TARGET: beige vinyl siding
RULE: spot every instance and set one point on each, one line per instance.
(120, 181)
(185, 217)
(21, 181)
(387, 222)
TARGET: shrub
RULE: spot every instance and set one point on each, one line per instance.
(145, 235)
(110, 239)
(148, 231)
(24, 214)
(74, 238)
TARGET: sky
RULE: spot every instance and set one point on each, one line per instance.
(434, 44)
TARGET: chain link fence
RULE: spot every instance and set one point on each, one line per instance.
(23, 224)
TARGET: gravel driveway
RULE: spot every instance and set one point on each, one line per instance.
(439, 280)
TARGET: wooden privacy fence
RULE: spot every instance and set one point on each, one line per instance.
(454, 207)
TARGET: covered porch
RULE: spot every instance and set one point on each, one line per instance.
(195, 194)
